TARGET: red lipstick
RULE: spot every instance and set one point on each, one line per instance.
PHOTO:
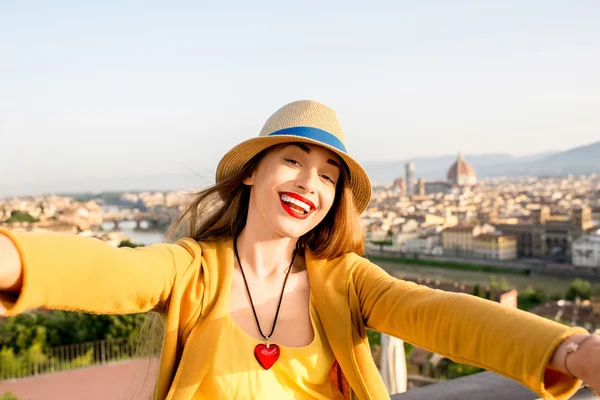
(291, 211)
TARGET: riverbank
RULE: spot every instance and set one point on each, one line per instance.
(448, 264)
(440, 270)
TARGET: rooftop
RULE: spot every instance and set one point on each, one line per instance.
(577, 313)
(460, 228)
(494, 235)
(588, 239)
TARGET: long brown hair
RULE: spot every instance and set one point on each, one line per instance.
(221, 210)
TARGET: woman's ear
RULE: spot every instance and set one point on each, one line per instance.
(249, 180)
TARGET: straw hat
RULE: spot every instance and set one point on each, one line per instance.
(301, 121)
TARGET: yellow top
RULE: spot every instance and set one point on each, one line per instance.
(299, 373)
(188, 284)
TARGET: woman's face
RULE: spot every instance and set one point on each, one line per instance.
(293, 188)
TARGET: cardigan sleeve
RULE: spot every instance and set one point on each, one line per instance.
(76, 273)
(466, 328)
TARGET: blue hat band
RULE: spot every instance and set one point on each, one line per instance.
(313, 133)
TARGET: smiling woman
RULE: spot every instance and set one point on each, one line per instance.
(265, 293)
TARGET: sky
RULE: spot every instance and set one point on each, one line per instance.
(99, 89)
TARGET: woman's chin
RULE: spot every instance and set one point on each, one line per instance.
(293, 230)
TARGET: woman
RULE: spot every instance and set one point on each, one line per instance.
(266, 294)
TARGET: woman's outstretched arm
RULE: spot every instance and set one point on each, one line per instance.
(69, 272)
(467, 329)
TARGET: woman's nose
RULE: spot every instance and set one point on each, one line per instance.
(308, 181)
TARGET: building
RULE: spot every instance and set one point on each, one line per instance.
(410, 178)
(461, 173)
(458, 240)
(400, 185)
(83, 216)
(427, 220)
(423, 244)
(487, 216)
(460, 176)
(434, 187)
(543, 234)
(586, 251)
(403, 232)
(421, 187)
(495, 246)
(596, 215)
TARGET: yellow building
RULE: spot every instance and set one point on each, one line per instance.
(495, 246)
(459, 239)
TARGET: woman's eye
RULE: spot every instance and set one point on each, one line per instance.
(292, 161)
(328, 178)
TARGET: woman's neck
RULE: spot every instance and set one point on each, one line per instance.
(264, 256)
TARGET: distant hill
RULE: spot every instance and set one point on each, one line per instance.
(108, 184)
(579, 157)
(579, 160)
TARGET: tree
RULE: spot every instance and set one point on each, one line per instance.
(531, 297)
(374, 337)
(488, 293)
(456, 370)
(501, 284)
(8, 396)
(579, 288)
(59, 328)
(20, 216)
(477, 291)
(129, 243)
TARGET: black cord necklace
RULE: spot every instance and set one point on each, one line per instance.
(266, 354)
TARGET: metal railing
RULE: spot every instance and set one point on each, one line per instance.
(63, 358)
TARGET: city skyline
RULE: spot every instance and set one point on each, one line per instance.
(115, 89)
(381, 172)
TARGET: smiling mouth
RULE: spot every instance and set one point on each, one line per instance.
(296, 207)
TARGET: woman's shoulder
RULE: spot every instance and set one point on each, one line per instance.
(204, 245)
(350, 260)
(338, 268)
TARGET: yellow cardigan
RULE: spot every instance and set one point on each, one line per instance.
(188, 282)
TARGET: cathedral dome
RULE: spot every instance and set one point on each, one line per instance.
(461, 173)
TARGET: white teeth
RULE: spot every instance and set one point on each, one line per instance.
(289, 199)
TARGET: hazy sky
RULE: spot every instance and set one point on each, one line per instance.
(94, 89)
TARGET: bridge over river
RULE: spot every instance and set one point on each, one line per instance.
(144, 220)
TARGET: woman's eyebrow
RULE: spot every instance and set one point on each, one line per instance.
(334, 163)
(306, 149)
(301, 146)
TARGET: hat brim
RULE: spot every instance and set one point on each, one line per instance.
(237, 157)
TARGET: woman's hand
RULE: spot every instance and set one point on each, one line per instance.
(10, 267)
(584, 363)
(588, 360)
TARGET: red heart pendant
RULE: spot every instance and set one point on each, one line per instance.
(266, 357)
